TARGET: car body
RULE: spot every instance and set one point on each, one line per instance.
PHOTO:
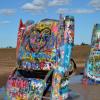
(92, 69)
(43, 58)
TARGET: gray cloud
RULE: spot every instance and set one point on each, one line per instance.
(58, 2)
(4, 22)
(95, 4)
(7, 12)
(74, 11)
(41, 5)
(34, 6)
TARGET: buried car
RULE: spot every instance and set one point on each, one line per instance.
(92, 70)
(26, 85)
(43, 59)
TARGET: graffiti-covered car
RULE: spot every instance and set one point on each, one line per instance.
(92, 70)
(26, 85)
(43, 59)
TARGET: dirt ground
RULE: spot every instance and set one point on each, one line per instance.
(86, 93)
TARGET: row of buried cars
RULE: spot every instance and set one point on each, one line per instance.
(44, 62)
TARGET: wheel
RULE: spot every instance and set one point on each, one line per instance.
(72, 67)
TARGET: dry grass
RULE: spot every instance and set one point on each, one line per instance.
(80, 53)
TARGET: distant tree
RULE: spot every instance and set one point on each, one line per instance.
(9, 47)
(83, 43)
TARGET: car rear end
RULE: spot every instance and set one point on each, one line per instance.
(24, 85)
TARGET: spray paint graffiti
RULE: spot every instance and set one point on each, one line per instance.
(60, 83)
(37, 47)
(93, 63)
(25, 89)
(42, 46)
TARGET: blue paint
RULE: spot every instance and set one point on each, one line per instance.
(2, 90)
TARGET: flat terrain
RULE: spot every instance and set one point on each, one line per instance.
(90, 93)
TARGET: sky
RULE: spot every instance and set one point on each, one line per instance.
(85, 12)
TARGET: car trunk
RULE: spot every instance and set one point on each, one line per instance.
(27, 85)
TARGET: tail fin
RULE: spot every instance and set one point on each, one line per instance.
(95, 41)
(20, 32)
(69, 29)
(20, 24)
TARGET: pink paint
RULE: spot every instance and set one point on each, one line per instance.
(54, 28)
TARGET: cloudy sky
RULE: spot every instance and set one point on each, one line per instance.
(86, 13)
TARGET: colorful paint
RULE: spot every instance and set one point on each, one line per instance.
(59, 82)
(25, 89)
(42, 46)
(93, 64)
